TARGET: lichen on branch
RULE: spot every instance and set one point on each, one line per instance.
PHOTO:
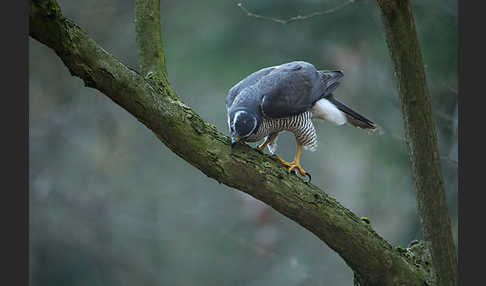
(151, 100)
(420, 136)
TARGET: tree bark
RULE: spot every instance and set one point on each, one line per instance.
(149, 37)
(154, 103)
(420, 136)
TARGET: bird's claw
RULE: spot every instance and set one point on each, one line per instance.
(293, 166)
(305, 175)
(308, 175)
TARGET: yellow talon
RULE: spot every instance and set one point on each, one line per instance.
(269, 139)
(301, 171)
(292, 165)
(262, 146)
(295, 163)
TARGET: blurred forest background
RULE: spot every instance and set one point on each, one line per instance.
(111, 205)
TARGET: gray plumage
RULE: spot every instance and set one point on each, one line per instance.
(287, 98)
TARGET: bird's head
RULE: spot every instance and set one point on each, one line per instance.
(242, 124)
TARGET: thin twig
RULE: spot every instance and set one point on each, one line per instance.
(209, 150)
(450, 88)
(298, 17)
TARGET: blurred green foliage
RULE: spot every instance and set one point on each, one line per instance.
(111, 205)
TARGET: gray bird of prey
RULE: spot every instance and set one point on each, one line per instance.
(287, 98)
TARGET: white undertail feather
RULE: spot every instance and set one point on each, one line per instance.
(324, 109)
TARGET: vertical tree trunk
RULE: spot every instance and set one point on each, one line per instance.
(182, 130)
(420, 136)
(149, 37)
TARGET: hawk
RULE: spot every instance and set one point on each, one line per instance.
(287, 98)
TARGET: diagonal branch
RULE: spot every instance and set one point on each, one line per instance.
(199, 143)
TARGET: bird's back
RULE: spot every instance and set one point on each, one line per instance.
(291, 89)
(246, 83)
(280, 91)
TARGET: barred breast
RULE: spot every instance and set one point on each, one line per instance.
(300, 125)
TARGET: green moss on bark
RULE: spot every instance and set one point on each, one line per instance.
(152, 101)
(420, 136)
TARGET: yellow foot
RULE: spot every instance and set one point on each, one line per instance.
(294, 165)
(267, 141)
(261, 147)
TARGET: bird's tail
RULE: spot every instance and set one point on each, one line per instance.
(352, 116)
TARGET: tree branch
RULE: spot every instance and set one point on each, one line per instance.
(149, 38)
(298, 17)
(155, 104)
(420, 136)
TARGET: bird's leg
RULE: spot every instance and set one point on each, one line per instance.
(269, 139)
(295, 163)
(262, 146)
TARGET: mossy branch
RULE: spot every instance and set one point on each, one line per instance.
(154, 103)
(149, 38)
(420, 136)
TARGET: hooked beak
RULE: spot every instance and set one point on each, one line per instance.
(234, 140)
